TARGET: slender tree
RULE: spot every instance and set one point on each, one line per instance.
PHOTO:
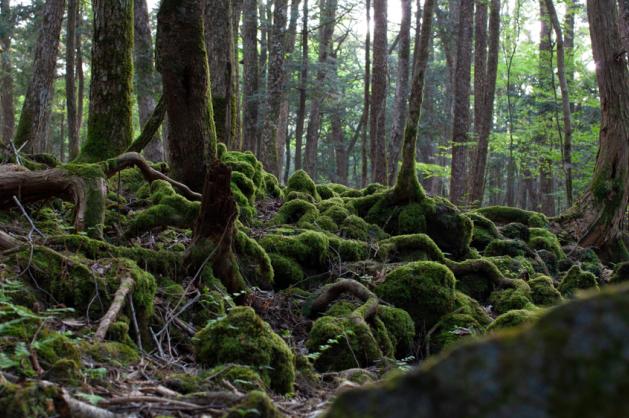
(109, 127)
(401, 90)
(303, 86)
(250, 73)
(461, 122)
(378, 100)
(6, 73)
(71, 111)
(32, 129)
(366, 143)
(270, 152)
(484, 92)
(80, 76)
(145, 77)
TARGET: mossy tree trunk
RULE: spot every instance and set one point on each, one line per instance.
(6, 74)
(407, 187)
(461, 121)
(222, 60)
(378, 101)
(182, 61)
(596, 218)
(73, 127)
(145, 77)
(365, 143)
(35, 117)
(250, 73)
(303, 86)
(109, 126)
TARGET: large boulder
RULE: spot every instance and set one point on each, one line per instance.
(572, 362)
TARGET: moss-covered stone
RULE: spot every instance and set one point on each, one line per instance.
(28, 400)
(513, 267)
(253, 262)
(518, 297)
(287, 272)
(543, 239)
(508, 247)
(309, 249)
(325, 191)
(301, 182)
(451, 329)
(424, 289)
(512, 319)
(355, 227)
(543, 291)
(470, 306)
(415, 247)
(255, 405)
(111, 353)
(505, 215)
(484, 231)
(400, 328)
(242, 337)
(516, 230)
(243, 378)
(65, 371)
(296, 211)
(576, 279)
(574, 357)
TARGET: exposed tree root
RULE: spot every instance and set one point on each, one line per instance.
(480, 266)
(333, 291)
(126, 287)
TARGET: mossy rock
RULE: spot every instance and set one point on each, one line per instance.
(507, 247)
(577, 279)
(296, 211)
(243, 378)
(301, 182)
(341, 343)
(338, 213)
(415, 247)
(574, 355)
(29, 400)
(309, 249)
(516, 230)
(256, 404)
(513, 267)
(66, 372)
(543, 239)
(242, 337)
(512, 319)
(111, 353)
(347, 250)
(253, 261)
(505, 214)
(325, 191)
(355, 227)
(451, 329)
(484, 231)
(543, 291)
(287, 272)
(55, 347)
(424, 289)
(449, 228)
(400, 328)
(272, 186)
(518, 297)
(470, 306)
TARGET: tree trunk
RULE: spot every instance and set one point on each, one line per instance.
(221, 53)
(182, 62)
(145, 77)
(237, 118)
(251, 73)
(265, 30)
(109, 126)
(379, 93)
(6, 74)
(81, 81)
(303, 85)
(461, 122)
(35, 117)
(407, 187)
(596, 218)
(366, 147)
(73, 127)
(270, 152)
(326, 31)
(624, 23)
(485, 88)
(545, 109)
(401, 90)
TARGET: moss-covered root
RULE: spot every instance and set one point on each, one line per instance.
(332, 292)
(575, 356)
(415, 247)
(505, 215)
(242, 337)
(255, 405)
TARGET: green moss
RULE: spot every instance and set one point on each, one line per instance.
(543, 291)
(325, 191)
(400, 328)
(505, 215)
(507, 247)
(272, 186)
(241, 377)
(56, 347)
(484, 231)
(28, 400)
(505, 300)
(512, 318)
(516, 230)
(342, 308)
(242, 337)
(342, 343)
(300, 181)
(296, 211)
(354, 227)
(543, 239)
(245, 185)
(337, 212)
(621, 273)
(325, 223)
(415, 247)
(111, 353)
(255, 405)
(576, 279)
(513, 267)
(287, 272)
(127, 181)
(49, 221)
(66, 372)
(470, 306)
(424, 289)
(451, 329)
(253, 262)
(310, 248)
(373, 188)
(347, 250)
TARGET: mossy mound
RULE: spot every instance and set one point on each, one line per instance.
(256, 404)
(355, 227)
(470, 306)
(577, 279)
(309, 249)
(297, 211)
(516, 230)
(543, 291)
(505, 214)
(415, 247)
(621, 273)
(253, 262)
(451, 329)
(484, 231)
(574, 356)
(512, 319)
(242, 337)
(508, 247)
(301, 182)
(518, 297)
(424, 289)
(513, 267)
(29, 400)
(543, 239)
(400, 328)
(111, 353)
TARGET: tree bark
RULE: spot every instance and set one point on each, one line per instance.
(80, 79)
(222, 59)
(407, 187)
(366, 143)
(71, 112)
(326, 31)
(182, 62)
(303, 86)
(401, 90)
(270, 152)
(35, 117)
(145, 77)
(109, 129)
(379, 94)
(6, 73)
(461, 122)
(596, 218)
(485, 88)
(624, 23)
(251, 73)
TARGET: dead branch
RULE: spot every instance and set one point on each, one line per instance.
(133, 159)
(8, 242)
(126, 286)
